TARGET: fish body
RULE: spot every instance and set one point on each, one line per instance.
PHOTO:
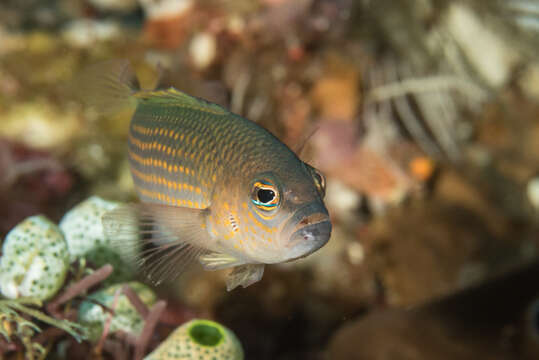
(214, 187)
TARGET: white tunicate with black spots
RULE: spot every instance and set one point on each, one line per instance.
(34, 260)
(82, 226)
(83, 230)
(126, 318)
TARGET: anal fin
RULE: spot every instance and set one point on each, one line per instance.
(244, 275)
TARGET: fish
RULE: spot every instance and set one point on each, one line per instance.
(214, 187)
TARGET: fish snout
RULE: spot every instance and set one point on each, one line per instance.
(309, 229)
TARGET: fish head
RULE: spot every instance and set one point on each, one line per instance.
(306, 226)
(280, 215)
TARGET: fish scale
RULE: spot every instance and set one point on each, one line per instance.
(183, 166)
(214, 187)
(210, 133)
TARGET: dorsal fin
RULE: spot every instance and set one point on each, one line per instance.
(173, 97)
(107, 87)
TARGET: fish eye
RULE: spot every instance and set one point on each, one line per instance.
(265, 195)
(320, 182)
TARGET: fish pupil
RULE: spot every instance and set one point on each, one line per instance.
(265, 195)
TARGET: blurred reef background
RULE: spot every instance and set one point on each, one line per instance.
(423, 115)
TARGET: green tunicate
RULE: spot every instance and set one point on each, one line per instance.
(83, 231)
(126, 318)
(34, 260)
(199, 339)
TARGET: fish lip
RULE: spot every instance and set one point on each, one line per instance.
(310, 213)
(312, 237)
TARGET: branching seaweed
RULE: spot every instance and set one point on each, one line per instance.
(14, 324)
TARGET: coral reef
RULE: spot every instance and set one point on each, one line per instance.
(422, 114)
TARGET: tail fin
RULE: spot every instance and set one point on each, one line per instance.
(107, 87)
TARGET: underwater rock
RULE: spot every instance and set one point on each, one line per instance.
(496, 321)
(203, 50)
(509, 144)
(385, 174)
(532, 190)
(167, 22)
(404, 335)
(336, 94)
(199, 339)
(126, 318)
(84, 33)
(83, 231)
(122, 6)
(343, 202)
(529, 342)
(529, 81)
(363, 168)
(11, 42)
(340, 271)
(475, 38)
(31, 182)
(201, 290)
(31, 13)
(34, 260)
(156, 9)
(335, 143)
(295, 113)
(428, 250)
(39, 124)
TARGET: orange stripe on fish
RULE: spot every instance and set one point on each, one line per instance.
(258, 223)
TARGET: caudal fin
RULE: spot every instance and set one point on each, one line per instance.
(107, 87)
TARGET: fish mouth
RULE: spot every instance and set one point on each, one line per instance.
(314, 236)
(310, 229)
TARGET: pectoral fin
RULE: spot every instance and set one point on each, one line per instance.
(162, 240)
(244, 275)
(217, 261)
